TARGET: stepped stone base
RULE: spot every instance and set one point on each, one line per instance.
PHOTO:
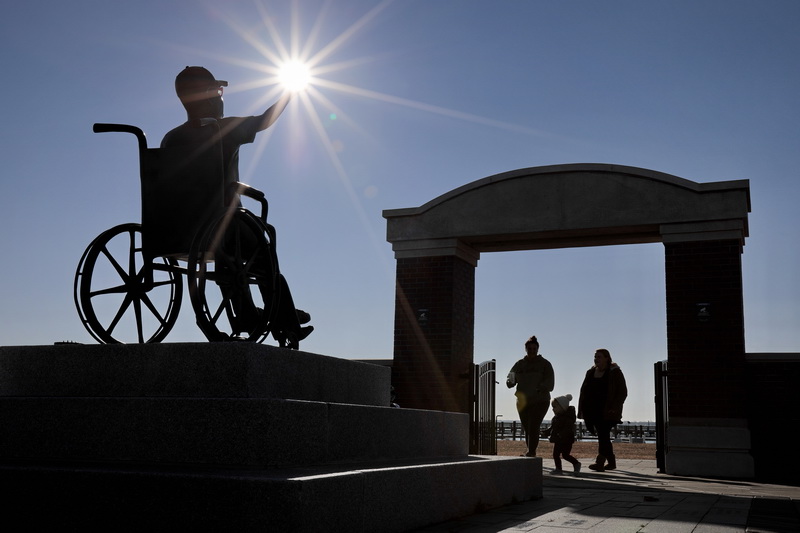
(375, 498)
(234, 437)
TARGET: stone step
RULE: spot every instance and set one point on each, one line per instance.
(223, 431)
(190, 370)
(375, 498)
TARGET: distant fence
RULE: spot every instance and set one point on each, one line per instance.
(513, 430)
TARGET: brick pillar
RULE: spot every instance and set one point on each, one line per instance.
(708, 431)
(434, 332)
(705, 329)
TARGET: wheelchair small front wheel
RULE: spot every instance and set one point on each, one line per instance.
(117, 299)
(232, 279)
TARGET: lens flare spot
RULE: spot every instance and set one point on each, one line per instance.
(370, 191)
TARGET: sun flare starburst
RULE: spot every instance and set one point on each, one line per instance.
(294, 75)
(303, 66)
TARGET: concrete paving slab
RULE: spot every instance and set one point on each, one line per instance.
(774, 514)
(716, 528)
(638, 498)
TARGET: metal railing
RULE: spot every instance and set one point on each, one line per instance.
(482, 431)
(513, 430)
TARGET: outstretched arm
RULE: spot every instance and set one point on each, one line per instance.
(271, 115)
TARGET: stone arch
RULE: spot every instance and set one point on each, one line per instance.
(703, 227)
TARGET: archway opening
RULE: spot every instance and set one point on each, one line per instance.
(574, 300)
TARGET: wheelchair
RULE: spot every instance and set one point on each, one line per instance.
(129, 282)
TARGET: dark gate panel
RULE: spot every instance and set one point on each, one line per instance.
(482, 431)
(662, 416)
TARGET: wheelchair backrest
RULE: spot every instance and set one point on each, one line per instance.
(182, 190)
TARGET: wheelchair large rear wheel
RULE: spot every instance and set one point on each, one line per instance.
(116, 301)
(232, 279)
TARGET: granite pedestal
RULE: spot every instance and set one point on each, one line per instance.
(236, 437)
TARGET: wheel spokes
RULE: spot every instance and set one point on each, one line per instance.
(149, 304)
(137, 310)
(123, 308)
(119, 289)
(141, 308)
(121, 271)
(230, 298)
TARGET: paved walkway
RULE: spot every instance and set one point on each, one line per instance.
(635, 498)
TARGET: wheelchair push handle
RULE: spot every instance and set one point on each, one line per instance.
(100, 127)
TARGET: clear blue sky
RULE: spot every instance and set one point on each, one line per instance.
(414, 98)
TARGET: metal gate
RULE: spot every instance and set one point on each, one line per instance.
(662, 413)
(482, 431)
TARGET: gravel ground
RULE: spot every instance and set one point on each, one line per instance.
(581, 450)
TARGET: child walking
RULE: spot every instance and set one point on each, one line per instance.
(562, 433)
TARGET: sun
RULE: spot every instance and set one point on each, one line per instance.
(294, 76)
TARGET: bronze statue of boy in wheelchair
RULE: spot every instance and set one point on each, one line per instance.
(131, 275)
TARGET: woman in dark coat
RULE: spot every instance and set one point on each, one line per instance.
(533, 375)
(600, 405)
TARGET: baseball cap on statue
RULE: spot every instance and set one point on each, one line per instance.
(196, 81)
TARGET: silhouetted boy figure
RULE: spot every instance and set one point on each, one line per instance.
(201, 94)
(562, 433)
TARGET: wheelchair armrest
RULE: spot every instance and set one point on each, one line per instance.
(250, 192)
(243, 189)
